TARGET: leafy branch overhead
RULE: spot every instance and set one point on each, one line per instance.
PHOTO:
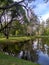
(13, 8)
(11, 11)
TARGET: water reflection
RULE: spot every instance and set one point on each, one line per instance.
(35, 51)
(43, 58)
(28, 53)
(42, 51)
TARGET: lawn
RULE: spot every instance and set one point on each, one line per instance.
(10, 60)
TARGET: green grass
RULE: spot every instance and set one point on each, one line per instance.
(10, 60)
(14, 39)
(20, 39)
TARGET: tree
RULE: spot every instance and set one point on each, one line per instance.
(33, 22)
(14, 13)
(47, 22)
(45, 32)
(14, 9)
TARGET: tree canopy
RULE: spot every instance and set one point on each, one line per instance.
(11, 11)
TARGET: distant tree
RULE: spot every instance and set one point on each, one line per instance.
(47, 22)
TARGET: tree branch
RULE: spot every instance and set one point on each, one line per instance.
(11, 5)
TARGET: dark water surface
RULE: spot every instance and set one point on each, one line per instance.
(43, 55)
(39, 53)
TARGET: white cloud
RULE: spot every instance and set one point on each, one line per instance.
(41, 8)
(45, 16)
(17, 0)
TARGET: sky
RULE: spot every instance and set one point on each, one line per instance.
(41, 9)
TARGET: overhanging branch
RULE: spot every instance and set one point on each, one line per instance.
(11, 5)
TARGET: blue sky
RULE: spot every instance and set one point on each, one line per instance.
(41, 9)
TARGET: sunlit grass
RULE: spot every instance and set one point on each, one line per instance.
(20, 39)
(14, 39)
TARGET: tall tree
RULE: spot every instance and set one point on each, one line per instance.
(14, 9)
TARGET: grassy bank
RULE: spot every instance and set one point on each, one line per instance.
(20, 39)
(9, 60)
(15, 39)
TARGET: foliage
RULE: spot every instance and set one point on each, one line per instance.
(46, 33)
(5, 2)
(47, 22)
(13, 44)
(17, 10)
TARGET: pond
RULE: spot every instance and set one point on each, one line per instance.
(32, 50)
(35, 51)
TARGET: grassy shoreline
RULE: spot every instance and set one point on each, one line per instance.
(10, 60)
(19, 39)
(14, 39)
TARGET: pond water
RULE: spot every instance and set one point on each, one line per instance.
(43, 53)
(35, 51)
(32, 50)
(43, 58)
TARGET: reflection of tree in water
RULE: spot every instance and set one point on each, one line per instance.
(28, 52)
(41, 45)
